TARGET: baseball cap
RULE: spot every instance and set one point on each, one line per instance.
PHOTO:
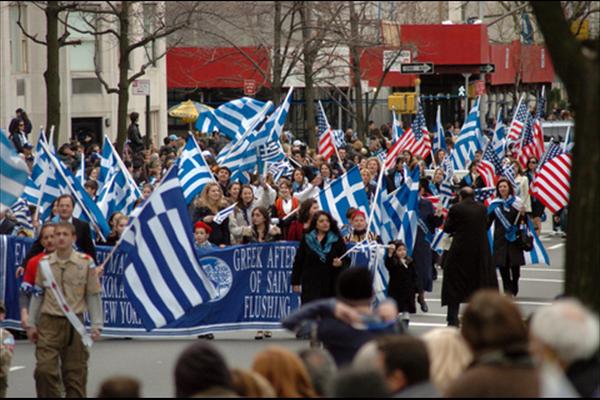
(297, 143)
(173, 137)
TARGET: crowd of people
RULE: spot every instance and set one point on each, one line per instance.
(337, 300)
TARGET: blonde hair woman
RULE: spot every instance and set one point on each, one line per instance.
(206, 206)
(449, 356)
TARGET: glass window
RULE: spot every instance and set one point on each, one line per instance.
(18, 41)
(81, 57)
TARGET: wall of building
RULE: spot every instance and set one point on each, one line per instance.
(73, 105)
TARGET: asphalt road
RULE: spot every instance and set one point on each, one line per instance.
(152, 361)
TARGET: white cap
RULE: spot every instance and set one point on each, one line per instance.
(298, 143)
(207, 153)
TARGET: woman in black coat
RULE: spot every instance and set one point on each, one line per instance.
(507, 255)
(318, 264)
(403, 279)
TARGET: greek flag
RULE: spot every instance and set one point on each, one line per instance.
(194, 172)
(20, 210)
(339, 138)
(397, 130)
(436, 243)
(117, 195)
(538, 255)
(498, 140)
(267, 139)
(469, 140)
(110, 164)
(439, 141)
(81, 171)
(344, 192)
(508, 171)
(163, 277)
(224, 214)
(233, 118)
(279, 169)
(13, 172)
(569, 141)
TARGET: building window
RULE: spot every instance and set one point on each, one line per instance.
(20, 87)
(86, 86)
(18, 41)
(81, 57)
(150, 24)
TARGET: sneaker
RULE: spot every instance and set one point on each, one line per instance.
(268, 334)
(259, 335)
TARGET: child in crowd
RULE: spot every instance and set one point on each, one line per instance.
(201, 233)
(403, 279)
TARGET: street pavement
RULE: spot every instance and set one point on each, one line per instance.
(152, 361)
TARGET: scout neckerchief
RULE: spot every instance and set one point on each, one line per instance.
(50, 282)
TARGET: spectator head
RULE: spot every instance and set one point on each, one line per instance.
(91, 187)
(134, 116)
(64, 235)
(234, 190)
(251, 384)
(307, 210)
(358, 383)
(473, 167)
(223, 175)
(354, 286)
(120, 387)
(245, 197)
(47, 237)
(120, 224)
(324, 222)
(449, 355)
(532, 164)
(211, 197)
(65, 205)
(147, 190)
(366, 175)
(492, 322)
(374, 166)
(285, 371)
(504, 189)
(466, 193)
(565, 332)
(349, 212)
(478, 155)
(199, 368)
(320, 366)
(298, 176)
(405, 361)
(358, 219)
(325, 170)
(260, 216)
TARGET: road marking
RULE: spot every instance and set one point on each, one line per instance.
(427, 324)
(428, 314)
(17, 368)
(542, 269)
(556, 246)
(524, 303)
(531, 280)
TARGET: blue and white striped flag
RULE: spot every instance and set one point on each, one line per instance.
(538, 255)
(436, 243)
(508, 171)
(279, 169)
(469, 140)
(20, 210)
(268, 138)
(224, 213)
(397, 130)
(81, 171)
(13, 172)
(163, 277)
(110, 164)
(439, 141)
(339, 138)
(117, 195)
(499, 138)
(233, 118)
(346, 191)
(194, 172)
(569, 141)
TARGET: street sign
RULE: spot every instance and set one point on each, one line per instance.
(141, 87)
(420, 68)
(487, 68)
(249, 87)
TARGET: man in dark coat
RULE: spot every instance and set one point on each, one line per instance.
(136, 141)
(84, 242)
(468, 265)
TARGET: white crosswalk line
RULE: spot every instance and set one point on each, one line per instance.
(17, 368)
(556, 246)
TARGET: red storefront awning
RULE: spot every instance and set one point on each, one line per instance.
(221, 67)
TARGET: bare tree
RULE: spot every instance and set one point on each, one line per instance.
(53, 43)
(578, 65)
(123, 22)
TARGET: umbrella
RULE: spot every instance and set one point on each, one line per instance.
(188, 111)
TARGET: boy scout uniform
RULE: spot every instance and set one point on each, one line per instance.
(7, 346)
(59, 350)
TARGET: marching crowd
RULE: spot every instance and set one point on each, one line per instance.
(492, 350)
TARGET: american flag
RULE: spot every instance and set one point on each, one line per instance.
(519, 121)
(554, 150)
(437, 202)
(416, 140)
(552, 182)
(326, 140)
(484, 195)
(533, 142)
(489, 166)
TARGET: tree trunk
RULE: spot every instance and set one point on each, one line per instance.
(123, 77)
(277, 61)
(52, 73)
(580, 73)
(361, 124)
(309, 91)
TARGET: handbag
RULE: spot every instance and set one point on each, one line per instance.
(524, 239)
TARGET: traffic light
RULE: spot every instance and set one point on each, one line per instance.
(403, 103)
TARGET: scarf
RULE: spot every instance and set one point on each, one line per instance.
(509, 227)
(315, 245)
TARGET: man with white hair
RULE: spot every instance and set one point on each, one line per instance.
(568, 335)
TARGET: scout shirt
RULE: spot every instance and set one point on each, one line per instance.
(76, 279)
